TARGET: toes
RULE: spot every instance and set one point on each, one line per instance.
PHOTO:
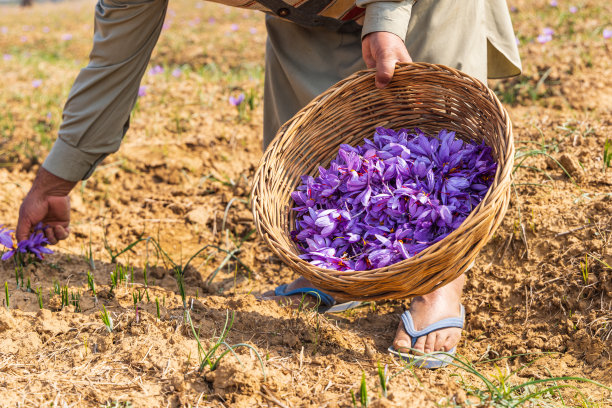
(402, 340)
(420, 344)
(430, 342)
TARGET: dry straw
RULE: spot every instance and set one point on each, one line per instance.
(430, 97)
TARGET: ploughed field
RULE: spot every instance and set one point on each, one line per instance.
(538, 300)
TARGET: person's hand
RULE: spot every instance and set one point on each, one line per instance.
(46, 202)
(382, 50)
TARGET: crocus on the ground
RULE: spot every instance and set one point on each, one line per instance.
(236, 100)
(36, 244)
(390, 198)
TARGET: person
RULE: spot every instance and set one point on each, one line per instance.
(311, 45)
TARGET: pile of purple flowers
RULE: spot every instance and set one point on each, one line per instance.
(390, 198)
(36, 245)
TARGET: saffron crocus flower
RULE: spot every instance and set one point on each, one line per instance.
(157, 69)
(236, 100)
(544, 38)
(234, 27)
(176, 72)
(573, 9)
(607, 33)
(66, 37)
(553, 3)
(5, 237)
(142, 90)
(7, 57)
(390, 198)
(36, 83)
(35, 244)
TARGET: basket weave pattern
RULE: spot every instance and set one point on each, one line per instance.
(430, 97)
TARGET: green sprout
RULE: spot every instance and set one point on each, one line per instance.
(107, 319)
(363, 391)
(40, 299)
(209, 357)
(157, 307)
(6, 293)
(607, 155)
(584, 267)
(383, 378)
(91, 284)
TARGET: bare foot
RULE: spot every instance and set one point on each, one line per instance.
(425, 310)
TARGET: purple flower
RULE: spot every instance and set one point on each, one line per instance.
(544, 38)
(234, 27)
(553, 3)
(7, 57)
(236, 101)
(212, 20)
(176, 72)
(253, 30)
(548, 31)
(573, 9)
(35, 244)
(157, 69)
(36, 83)
(390, 198)
(5, 237)
(142, 90)
(66, 37)
(607, 33)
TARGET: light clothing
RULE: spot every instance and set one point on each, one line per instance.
(302, 60)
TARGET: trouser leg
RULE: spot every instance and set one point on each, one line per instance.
(303, 62)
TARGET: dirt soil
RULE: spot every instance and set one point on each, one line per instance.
(182, 177)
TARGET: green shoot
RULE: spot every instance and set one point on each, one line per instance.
(157, 307)
(28, 286)
(383, 378)
(607, 155)
(107, 319)
(6, 294)
(585, 269)
(40, 299)
(91, 284)
(498, 390)
(144, 274)
(353, 399)
(181, 285)
(64, 294)
(209, 356)
(75, 300)
(363, 391)
(57, 288)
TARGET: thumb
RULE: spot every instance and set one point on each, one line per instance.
(24, 225)
(384, 71)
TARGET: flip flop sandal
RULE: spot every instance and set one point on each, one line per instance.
(432, 360)
(327, 304)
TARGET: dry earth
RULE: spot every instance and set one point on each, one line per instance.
(182, 177)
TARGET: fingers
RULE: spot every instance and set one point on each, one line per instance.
(61, 232)
(50, 234)
(382, 50)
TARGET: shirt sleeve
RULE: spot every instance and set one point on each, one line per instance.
(390, 16)
(97, 112)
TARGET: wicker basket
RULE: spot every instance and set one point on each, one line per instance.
(430, 97)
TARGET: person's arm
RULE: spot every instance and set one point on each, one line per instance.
(96, 115)
(383, 35)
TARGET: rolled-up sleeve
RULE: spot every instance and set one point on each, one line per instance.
(97, 112)
(389, 16)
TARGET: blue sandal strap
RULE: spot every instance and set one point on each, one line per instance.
(441, 324)
(325, 299)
